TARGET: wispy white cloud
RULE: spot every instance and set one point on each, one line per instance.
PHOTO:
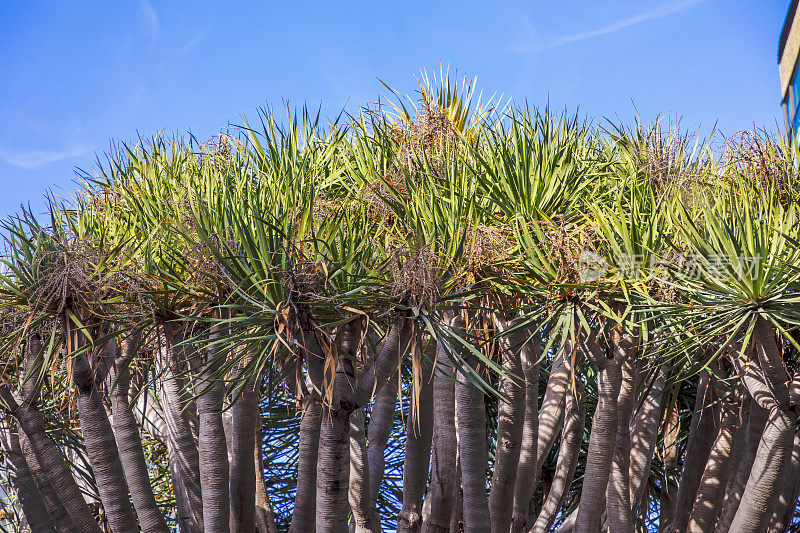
(191, 43)
(37, 158)
(152, 25)
(531, 46)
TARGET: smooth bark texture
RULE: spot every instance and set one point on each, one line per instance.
(358, 492)
(604, 433)
(572, 435)
(701, 436)
(668, 491)
(767, 475)
(101, 448)
(27, 492)
(471, 413)
(378, 374)
(305, 500)
(550, 421)
(126, 433)
(618, 492)
(742, 455)
(242, 468)
(51, 461)
(442, 494)
(510, 422)
(212, 447)
(333, 466)
(31, 385)
(711, 491)
(644, 436)
(419, 432)
(768, 385)
(787, 501)
(380, 428)
(526, 468)
(184, 461)
(364, 519)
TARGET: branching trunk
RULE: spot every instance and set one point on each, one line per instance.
(572, 435)
(668, 491)
(644, 435)
(527, 474)
(101, 448)
(550, 420)
(358, 493)
(767, 475)
(787, 502)
(31, 381)
(364, 519)
(129, 442)
(182, 450)
(380, 428)
(27, 492)
(711, 491)
(333, 466)
(701, 436)
(52, 463)
(604, 430)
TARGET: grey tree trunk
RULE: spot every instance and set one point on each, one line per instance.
(767, 475)
(742, 456)
(440, 500)
(510, 423)
(768, 384)
(644, 435)
(604, 431)
(419, 432)
(27, 492)
(550, 421)
(304, 512)
(333, 466)
(358, 492)
(31, 381)
(380, 428)
(458, 507)
(184, 461)
(126, 433)
(211, 446)
(784, 512)
(51, 461)
(101, 448)
(245, 416)
(364, 519)
(572, 435)
(471, 413)
(701, 436)
(527, 475)
(711, 491)
(618, 492)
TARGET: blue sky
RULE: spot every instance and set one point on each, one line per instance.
(77, 75)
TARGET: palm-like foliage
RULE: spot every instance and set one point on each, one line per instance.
(638, 287)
